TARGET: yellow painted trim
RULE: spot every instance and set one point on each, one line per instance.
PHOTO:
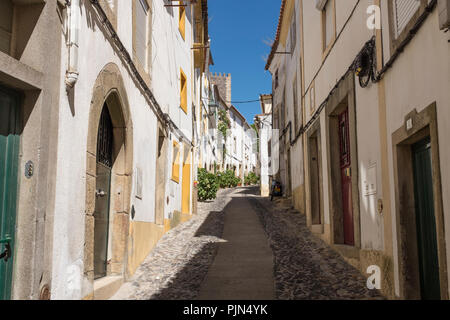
(186, 185)
(183, 91)
(182, 21)
(143, 238)
(176, 163)
(89, 297)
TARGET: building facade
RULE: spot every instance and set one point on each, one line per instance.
(369, 120)
(99, 130)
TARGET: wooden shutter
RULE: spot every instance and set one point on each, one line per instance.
(183, 91)
(404, 10)
(182, 21)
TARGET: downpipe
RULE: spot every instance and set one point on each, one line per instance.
(73, 13)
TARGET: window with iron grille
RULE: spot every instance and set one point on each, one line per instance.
(105, 138)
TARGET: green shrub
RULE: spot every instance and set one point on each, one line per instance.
(207, 185)
(227, 179)
(251, 179)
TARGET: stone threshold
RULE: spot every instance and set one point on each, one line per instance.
(105, 288)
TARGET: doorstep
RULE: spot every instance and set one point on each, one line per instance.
(105, 288)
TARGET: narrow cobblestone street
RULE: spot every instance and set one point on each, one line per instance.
(204, 258)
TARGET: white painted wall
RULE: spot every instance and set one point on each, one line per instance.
(170, 53)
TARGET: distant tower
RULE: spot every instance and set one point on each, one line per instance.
(223, 82)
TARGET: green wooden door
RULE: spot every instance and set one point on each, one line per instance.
(9, 153)
(425, 221)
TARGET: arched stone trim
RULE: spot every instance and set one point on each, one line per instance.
(109, 89)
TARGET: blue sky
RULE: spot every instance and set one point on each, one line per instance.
(238, 30)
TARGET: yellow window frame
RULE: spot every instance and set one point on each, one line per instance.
(182, 21)
(183, 92)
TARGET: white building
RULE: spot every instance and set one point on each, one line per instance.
(264, 124)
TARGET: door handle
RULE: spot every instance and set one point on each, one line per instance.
(7, 253)
(100, 193)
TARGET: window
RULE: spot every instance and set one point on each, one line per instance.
(312, 99)
(404, 10)
(276, 79)
(328, 24)
(176, 162)
(295, 100)
(183, 91)
(141, 32)
(182, 20)
(6, 22)
(403, 15)
(293, 33)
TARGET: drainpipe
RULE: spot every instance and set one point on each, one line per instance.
(73, 7)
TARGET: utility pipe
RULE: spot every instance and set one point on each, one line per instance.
(73, 10)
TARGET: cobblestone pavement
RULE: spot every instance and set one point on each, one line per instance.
(176, 267)
(305, 267)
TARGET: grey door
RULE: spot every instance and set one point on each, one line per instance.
(102, 194)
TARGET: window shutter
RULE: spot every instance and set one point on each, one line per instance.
(142, 9)
(329, 28)
(182, 21)
(404, 11)
(183, 91)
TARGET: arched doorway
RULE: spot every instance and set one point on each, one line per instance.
(108, 181)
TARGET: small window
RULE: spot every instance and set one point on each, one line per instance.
(328, 24)
(276, 79)
(182, 20)
(6, 23)
(141, 38)
(295, 100)
(176, 162)
(183, 91)
(293, 33)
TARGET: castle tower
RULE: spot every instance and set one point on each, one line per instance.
(223, 82)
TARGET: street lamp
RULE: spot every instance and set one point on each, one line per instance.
(212, 108)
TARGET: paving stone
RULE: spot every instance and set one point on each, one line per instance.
(176, 267)
(306, 268)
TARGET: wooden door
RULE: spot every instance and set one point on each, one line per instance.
(9, 158)
(425, 221)
(315, 180)
(102, 194)
(346, 178)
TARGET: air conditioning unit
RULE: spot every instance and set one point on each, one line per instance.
(320, 4)
(444, 14)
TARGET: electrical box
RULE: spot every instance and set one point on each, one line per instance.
(370, 184)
